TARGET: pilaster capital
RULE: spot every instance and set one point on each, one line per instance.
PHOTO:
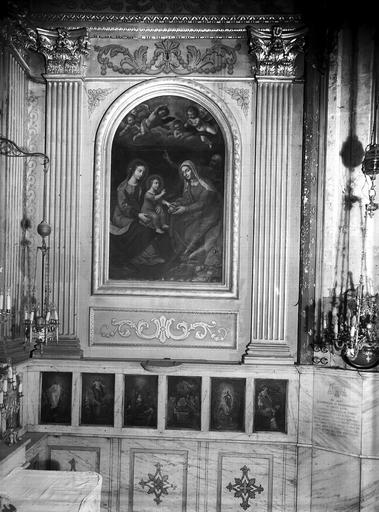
(62, 49)
(274, 51)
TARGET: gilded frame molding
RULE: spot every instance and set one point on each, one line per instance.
(101, 284)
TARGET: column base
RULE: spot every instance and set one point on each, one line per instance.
(268, 352)
(66, 348)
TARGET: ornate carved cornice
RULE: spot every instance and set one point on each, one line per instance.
(170, 19)
(63, 49)
(274, 50)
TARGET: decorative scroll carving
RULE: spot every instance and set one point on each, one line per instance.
(163, 329)
(275, 50)
(242, 97)
(167, 58)
(157, 484)
(245, 488)
(95, 97)
(62, 49)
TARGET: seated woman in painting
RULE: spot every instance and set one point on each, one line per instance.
(131, 241)
(196, 227)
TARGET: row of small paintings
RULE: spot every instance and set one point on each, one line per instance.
(183, 410)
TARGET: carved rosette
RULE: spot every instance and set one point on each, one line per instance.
(62, 49)
(274, 51)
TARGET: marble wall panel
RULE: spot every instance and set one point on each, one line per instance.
(74, 458)
(160, 476)
(304, 479)
(305, 391)
(85, 454)
(370, 485)
(335, 482)
(370, 415)
(242, 474)
(337, 411)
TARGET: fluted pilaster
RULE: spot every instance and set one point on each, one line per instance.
(63, 128)
(273, 240)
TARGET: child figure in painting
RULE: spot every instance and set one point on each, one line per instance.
(152, 204)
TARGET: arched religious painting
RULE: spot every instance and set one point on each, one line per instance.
(167, 194)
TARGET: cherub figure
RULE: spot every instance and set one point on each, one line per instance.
(197, 124)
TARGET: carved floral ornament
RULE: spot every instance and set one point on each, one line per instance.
(167, 56)
(275, 50)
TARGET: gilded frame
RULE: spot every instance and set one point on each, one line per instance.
(207, 98)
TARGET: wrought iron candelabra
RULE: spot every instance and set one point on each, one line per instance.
(351, 327)
(352, 324)
(40, 317)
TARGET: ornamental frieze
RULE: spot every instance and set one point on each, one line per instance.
(167, 56)
(274, 50)
(163, 329)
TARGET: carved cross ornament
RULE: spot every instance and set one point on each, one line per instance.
(274, 51)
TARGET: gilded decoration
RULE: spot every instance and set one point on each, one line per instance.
(275, 50)
(163, 329)
(167, 57)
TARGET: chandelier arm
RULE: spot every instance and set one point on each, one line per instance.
(11, 149)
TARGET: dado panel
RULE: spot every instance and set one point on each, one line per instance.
(159, 475)
(70, 453)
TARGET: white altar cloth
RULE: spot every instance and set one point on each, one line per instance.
(52, 491)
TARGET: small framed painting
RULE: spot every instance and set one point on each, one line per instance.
(56, 393)
(227, 404)
(270, 405)
(141, 401)
(183, 403)
(97, 399)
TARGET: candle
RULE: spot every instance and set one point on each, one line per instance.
(1, 398)
(20, 388)
(1, 301)
(10, 373)
(5, 385)
(348, 317)
(8, 302)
